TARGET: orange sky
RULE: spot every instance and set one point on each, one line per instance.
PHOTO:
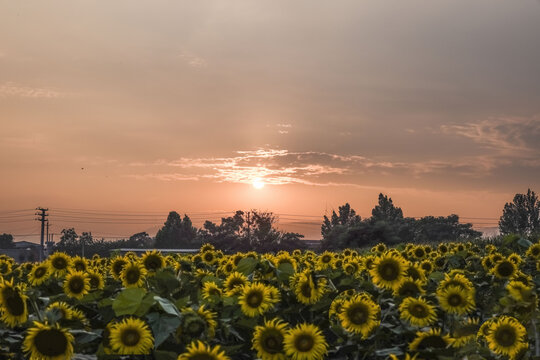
(135, 108)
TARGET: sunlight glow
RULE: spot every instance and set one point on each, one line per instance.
(258, 183)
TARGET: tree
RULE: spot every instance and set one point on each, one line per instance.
(177, 233)
(386, 211)
(251, 230)
(347, 217)
(6, 241)
(521, 216)
(441, 228)
(69, 242)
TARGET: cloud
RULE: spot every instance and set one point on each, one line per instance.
(511, 137)
(10, 89)
(164, 177)
(280, 167)
(193, 60)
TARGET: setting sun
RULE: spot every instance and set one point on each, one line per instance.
(258, 183)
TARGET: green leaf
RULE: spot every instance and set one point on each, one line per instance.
(146, 303)
(182, 302)
(128, 301)
(83, 337)
(167, 306)
(386, 352)
(162, 326)
(524, 243)
(285, 270)
(164, 355)
(436, 276)
(247, 265)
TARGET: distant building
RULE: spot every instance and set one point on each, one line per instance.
(312, 244)
(123, 251)
(23, 251)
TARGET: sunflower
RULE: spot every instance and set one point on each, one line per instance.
(5, 266)
(407, 357)
(210, 319)
(206, 247)
(65, 310)
(430, 339)
(418, 312)
(534, 251)
(76, 284)
(131, 336)
(39, 274)
(455, 300)
(305, 342)
(12, 304)
(47, 342)
(211, 291)
(133, 275)
(116, 266)
(309, 290)
(254, 299)
(519, 291)
(96, 280)
(234, 283)
(360, 315)
(79, 263)
(325, 260)
(198, 350)
(152, 261)
(59, 263)
(192, 326)
(268, 340)
(505, 336)
(504, 269)
(466, 332)
(389, 270)
(409, 288)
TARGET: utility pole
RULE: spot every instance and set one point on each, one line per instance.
(42, 217)
(47, 231)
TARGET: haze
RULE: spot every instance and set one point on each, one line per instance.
(150, 106)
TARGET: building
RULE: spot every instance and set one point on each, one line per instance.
(23, 251)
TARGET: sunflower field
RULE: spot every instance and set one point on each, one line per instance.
(446, 301)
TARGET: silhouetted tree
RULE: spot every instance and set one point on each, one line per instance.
(522, 215)
(347, 217)
(386, 211)
(177, 233)
(6, 241)
(252, 230)
(437, 229)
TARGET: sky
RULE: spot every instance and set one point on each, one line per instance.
(114, 113)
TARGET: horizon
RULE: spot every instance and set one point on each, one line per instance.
(294, 108)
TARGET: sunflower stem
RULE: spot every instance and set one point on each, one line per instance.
(536, 337)
(36, 309)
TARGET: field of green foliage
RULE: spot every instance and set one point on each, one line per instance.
(446, 301)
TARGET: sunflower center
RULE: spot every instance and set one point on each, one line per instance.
(455, 300)
(118, 266)
(195, 327)
(76, 285)
(305, 289)
(51, 342)
(506, 336)
(15, 304)
(505, 269)
(389, 270)
(304, 343)
(40, 271)
(418, 311)
(80, 266)
(272, 342)
(326, 258)
(254, 299)
(133, 275)
(130, 337)
(408, 289)
(94, 281)
(358, 314)
(59, 263)
(235, 282)
(433, 341)
(152, 263)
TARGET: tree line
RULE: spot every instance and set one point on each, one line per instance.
(257, 230)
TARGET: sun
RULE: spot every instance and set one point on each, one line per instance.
(258, 183)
